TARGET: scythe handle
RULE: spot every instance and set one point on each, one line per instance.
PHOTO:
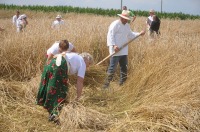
(124, 45)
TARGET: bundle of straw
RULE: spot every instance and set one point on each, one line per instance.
(76, 116)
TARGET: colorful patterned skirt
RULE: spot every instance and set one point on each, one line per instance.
(53, 86)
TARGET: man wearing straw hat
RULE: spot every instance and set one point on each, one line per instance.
(119, 33)
(58, 22)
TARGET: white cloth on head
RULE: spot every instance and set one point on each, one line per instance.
(119, 34)
(77, 64)
(54, 49)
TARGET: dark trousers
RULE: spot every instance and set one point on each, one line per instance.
(123, 61)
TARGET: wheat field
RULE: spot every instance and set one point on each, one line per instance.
(162, 93)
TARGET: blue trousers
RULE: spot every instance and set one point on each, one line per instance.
(123, 61)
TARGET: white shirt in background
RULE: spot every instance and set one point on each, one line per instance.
(57, 24)
(14, 20)
(149, 20)
(21, 23)
(77, 64)
(54, 49)
(119, 34)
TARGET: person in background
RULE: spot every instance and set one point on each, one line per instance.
(22, 23)
(149, 20)
(58, 48)
(15, 17)
(58, 22)
(155, 26)
(133, 17)
(119, 33)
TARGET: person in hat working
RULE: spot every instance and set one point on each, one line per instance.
(21, 23)
(119, 33)
(15, 17)
(58, 22)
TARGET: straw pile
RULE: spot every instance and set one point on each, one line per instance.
(17, 113)
(76, 116)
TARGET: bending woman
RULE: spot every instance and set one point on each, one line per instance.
(54, 85)
(78, 64)
(54, 82)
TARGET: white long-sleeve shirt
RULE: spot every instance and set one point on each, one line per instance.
(119, 34)
(14, 20)
(19, 23)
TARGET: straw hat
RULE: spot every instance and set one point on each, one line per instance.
(58, 16)
(152, 10)
(125, 14)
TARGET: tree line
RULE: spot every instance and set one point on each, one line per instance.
(97, 11)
